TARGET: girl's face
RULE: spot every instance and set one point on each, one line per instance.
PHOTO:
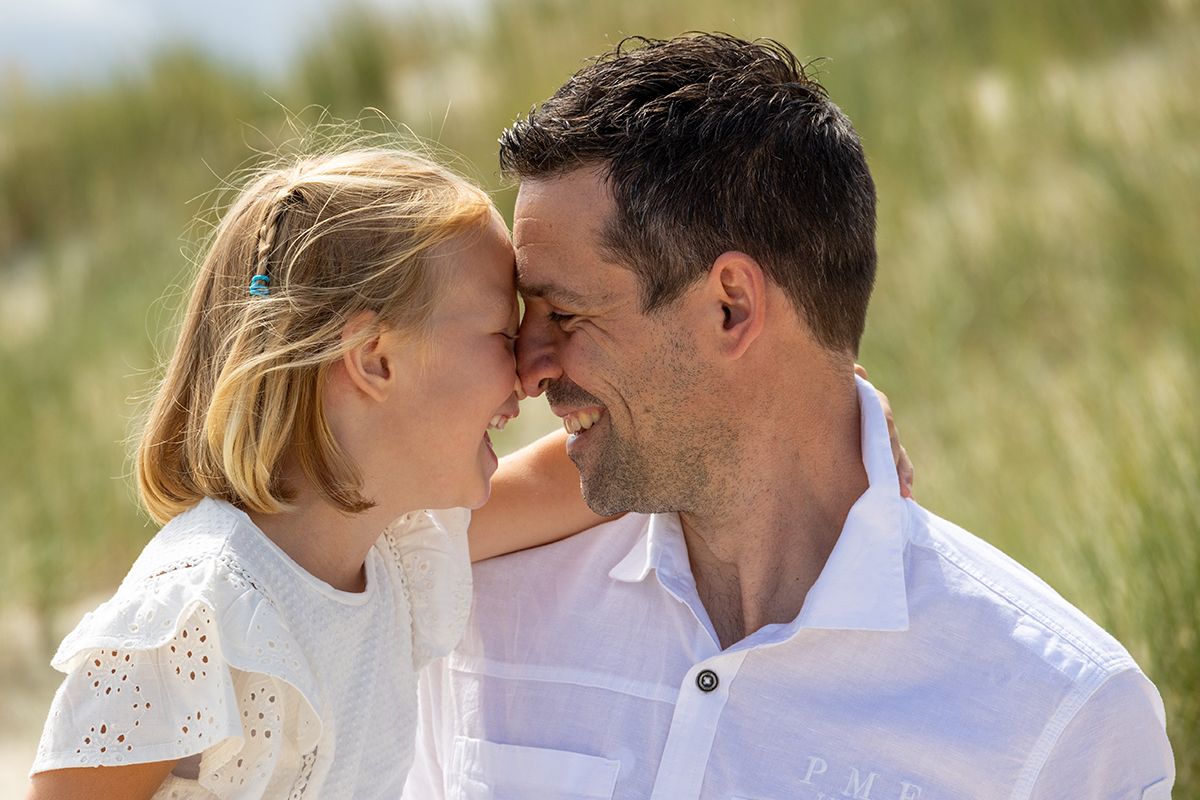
(467, 381)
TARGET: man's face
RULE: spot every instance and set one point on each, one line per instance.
(630, 387)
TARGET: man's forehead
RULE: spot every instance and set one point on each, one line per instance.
(577, 202)
(553, 259)
(532, 231)
(580, 282)
(555, 224)
(558, 228)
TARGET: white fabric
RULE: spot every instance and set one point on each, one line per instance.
(923, 664)
(220, 650)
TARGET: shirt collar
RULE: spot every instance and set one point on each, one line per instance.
(659, 548)
(862, 584)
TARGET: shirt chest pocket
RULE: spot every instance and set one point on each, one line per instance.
(482, 770)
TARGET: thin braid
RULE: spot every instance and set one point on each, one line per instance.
(270, 229)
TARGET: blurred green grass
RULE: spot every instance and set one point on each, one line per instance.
(1036, 322)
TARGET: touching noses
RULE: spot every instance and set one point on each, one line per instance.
(537, 354)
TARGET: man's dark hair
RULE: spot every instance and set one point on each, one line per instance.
(712, 143)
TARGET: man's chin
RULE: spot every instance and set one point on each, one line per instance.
(603, 506)
(602, 497)
(605, 476)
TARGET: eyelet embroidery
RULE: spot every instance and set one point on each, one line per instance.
(111, 675)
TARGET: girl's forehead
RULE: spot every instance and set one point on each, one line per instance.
(482, 280)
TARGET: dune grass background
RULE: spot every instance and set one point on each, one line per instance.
(1036, 321)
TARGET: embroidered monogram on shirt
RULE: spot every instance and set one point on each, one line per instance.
(825, 781)
(835, 782)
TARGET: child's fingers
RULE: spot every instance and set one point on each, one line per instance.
(904, 467)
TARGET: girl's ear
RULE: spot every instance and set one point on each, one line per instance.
(369, 364)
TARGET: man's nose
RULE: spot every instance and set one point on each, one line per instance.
(537, 354)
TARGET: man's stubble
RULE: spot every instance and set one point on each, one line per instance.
(677, 449)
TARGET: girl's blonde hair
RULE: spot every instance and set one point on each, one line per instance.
(335, 235)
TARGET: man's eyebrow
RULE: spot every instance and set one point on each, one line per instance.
(552, 292)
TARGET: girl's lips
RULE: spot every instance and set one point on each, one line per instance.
(493, 460)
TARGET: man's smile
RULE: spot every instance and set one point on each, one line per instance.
(582, 419)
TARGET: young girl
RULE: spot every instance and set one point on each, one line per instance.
(347, 346)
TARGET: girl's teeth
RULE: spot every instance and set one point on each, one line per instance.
(498, 422)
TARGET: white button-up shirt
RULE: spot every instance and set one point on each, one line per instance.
(923, 664)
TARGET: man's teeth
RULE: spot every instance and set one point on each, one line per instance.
(498, 422)
(581, 420)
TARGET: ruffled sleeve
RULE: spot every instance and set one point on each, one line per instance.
(193, 662)
(431, 549)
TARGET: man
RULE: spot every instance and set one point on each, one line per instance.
(695, 245)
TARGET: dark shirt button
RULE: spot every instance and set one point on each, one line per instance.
(707, 680)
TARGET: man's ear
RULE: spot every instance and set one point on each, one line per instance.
(739, 287)
(368, 365)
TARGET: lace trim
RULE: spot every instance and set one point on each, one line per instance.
(237, 574)
(435, 568)
(300, 786)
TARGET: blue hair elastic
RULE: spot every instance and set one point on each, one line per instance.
(260, 285)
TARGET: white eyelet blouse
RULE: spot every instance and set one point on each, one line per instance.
(220, 650)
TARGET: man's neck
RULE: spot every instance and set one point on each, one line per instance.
(760, 547)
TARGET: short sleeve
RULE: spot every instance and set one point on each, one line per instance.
(431, 549)
(189, 666)
(127, 705)
(1114, 748)
(268, 756)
